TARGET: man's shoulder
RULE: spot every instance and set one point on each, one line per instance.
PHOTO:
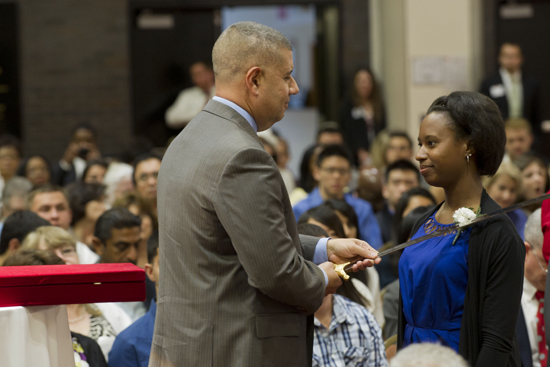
(359, 204)
(141, 329)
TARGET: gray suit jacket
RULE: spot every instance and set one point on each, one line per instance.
(235, 287)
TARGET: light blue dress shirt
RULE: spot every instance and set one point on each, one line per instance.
(320, 255)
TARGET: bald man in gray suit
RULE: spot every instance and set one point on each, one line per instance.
(235, 285)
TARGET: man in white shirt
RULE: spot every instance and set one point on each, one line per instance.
(530, 327)
(191, 101)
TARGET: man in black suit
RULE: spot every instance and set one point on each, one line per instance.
(530, 326)
(516, 95)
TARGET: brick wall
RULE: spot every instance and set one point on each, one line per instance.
(75, 67)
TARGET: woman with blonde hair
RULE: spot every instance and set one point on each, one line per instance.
(504, 188)
(101, 322)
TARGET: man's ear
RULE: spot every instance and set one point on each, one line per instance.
(98, 245)
(316, 172)
(252, 80)
(149, 272)
(13, 245)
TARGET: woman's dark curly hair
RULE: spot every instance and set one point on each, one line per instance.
(475, 117)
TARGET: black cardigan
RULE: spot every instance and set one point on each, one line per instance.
(492, 302)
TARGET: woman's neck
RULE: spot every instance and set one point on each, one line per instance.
(466, 193)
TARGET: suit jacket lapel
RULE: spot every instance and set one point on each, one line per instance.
(226, 112)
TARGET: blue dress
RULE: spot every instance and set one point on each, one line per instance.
(433, 276)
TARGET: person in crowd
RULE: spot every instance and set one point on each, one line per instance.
(95, 171)
(329, 133)
(53, 239)
(36, 169)
(428, 355)
(362, 115)
(347, 216)
(81, 148)
(119, 180)
(504, 187)
(519, 138)
(132, 347)
(333, 172)
(10, 156)
(307, 182)
(13, 197)
(132, 201)
(283, 156)
(390, 299)
(516, 94)
(401, 176)
(191, 101)
(345, 332)
(231, 206)
(116, 240)
(530, 326)
(16, 227)
(87, 202)
(399, 146)
(364, 287)
(51, 202)
(459, 287)
(534, 180)
(146, 172)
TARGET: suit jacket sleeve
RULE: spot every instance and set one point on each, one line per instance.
(309, 244)
(249, 204)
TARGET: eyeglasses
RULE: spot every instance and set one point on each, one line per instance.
(333, 170)
(145, 176)
(540, 264)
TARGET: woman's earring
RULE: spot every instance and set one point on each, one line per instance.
(468, 158)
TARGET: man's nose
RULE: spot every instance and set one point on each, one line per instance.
(294, 89)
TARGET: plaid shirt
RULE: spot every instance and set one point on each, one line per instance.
(354, 338)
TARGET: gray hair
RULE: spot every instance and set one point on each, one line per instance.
(16, 187)
(244, 45)
(427, 355)
(533, 230)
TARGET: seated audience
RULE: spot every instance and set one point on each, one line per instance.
(504, 188)
(306, 183)
(81, 148)
(427, 355)
(530, 326)
(13, 196)
(146, 172)
(534, 180)
(364, 286)
(399, 146)
(329, 134)
(118, 179)
(132, 201)
(36, 169)
(401, 176)
(10, 157)
(132, 347)
(116, 240)
(345, 333)
(333, 173)
(95, 171)
(283, 156)
(16, 227)
(52, 203)
(87, 201)
(519, 138)
(347, 216)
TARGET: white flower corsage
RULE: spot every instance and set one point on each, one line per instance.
(463, 217)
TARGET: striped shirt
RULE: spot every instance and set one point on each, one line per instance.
(354, 338)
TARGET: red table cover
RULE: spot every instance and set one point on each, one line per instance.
(70, 284)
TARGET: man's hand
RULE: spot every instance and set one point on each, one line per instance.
(343, 250)
(334, 280)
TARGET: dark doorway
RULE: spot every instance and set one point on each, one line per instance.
(9, 70)
(164, 44)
